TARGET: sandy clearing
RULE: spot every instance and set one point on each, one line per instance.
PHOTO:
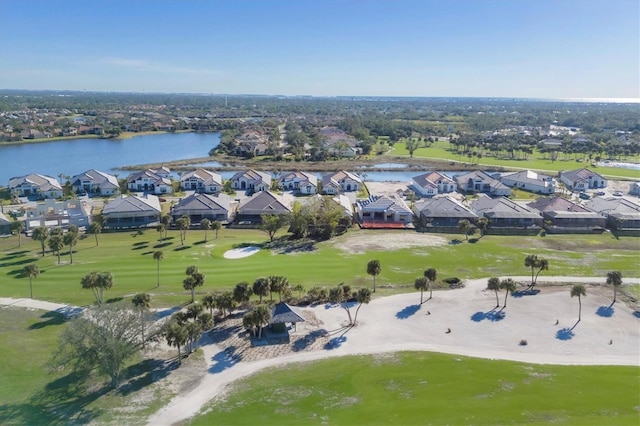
(241, 252)
(398, 323)
(387, 240)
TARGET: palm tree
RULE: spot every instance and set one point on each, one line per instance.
(421, 284)
(176, 335)
(97, 282)
(160, 228)
(482, 224)
(31, 270)
(279, 284)
(56, 243)
(261, 288)
(509, 286)
(205, 225)
(543, 265)
(579, 290)
(373, 269)
(494, 284)
(614, 278)
(464, 226)
(242, 292)
(430, 274)
(17, 227)
(363, 297)
(40, 234)
(209, 302)
(70, 239)
(166, 221)
(183, 225)
(532, 261)
(261, 316)
(216, 226)
(95, 228)
(158, 256)
(142, 301)
(194, 279)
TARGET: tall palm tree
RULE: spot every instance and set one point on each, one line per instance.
(614, 278)
(70, 239)
(242, 292)
(160, 228)
(261, 288)
(40, 234)
(531, 261)
(31, 270)
(482, 224)
(421, 284)
(216, 226)
(56, 243)
(374, 269)
(17, 227)
(205, 225)
(579, 290)
(279, 284)
(142, 302)
(158, 256)
(209, 302)
(363, 296)
(543, 265)
(261, 316)
(95, 228)
(166, 219)
(430, 274)
(494, 284)
(464, 226)
(509, 286)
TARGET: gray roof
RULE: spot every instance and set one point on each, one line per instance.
(157, 176)
(462, 180)
(556, 204)
(431, 178)
(283, 313)
(132, 204)
(102, 179)
(45, 183)
(253, 175)
(207, 177)
(301, 176)
(527, 176)
(612, 205)
(265, 202)
(202, 202)
(389, 204)
(501, 207)
(579, 174)
(442, 207)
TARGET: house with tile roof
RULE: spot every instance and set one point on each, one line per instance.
(342, 181)
(433, 183)
(531, 181)
(300, 182)
(582, 179)
(562, 216)
(200, 206)
(506, 216)
(442, 213)
(251, 209)
(132, 212)
(95, 182)
(384, 212)
(251, 180)
(35, 186)
(154, 181)
(621, 214)
(201, 180)
(480, 182)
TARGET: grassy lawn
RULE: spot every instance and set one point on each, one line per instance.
(428, 388)
(446, 151)
(129, 257)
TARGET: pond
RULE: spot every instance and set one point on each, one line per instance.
(71, 157)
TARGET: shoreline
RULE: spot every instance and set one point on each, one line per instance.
(121, 136)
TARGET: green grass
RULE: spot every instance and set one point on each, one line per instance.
(128, 256)
(427, 388)
(446, 151)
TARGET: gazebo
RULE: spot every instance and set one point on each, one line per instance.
(283, 313)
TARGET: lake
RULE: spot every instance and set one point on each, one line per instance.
(71, 157)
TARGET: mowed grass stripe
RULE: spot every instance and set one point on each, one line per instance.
(428, 388)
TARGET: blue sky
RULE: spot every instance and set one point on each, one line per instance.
(539, 49)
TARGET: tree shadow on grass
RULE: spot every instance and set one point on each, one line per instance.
(18, 262)
(565, 334)
(114, 300)
(407, 311)
(161, 245)
(199, 243)
(182, 248)
(225, 359)
(308, 339)
(522, 293)
(492, 315)
(61, 402)
(140, 247)
(605, 311)
(145, 373)
(50, 318)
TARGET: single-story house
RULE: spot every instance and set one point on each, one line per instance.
(35, 186)
(528, 180)
(384, 212)
(480, 182)
(203, 206)
(155, 181)
(442, 212)
(341, 181)
(582, 179)
(251, 180)
(563, 216)
(5, 225)
(621, 214)
(251, 209)
(302, 182)
(433, 183)
(58, 214)
(132, 212)
(201, 180)
(95, 182)
(504, 213)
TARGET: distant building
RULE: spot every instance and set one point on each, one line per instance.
(530, 181)
(35, 186)
(203, 206)
(341, 181)
(301, 182)
(132, 212)
(95, 182)
(433, 183)
(582, 179)
(480, 182)
(251, 180)
(154, 181)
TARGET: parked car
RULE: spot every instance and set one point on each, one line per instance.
(618, 194)
(601, 193)
(584, 196)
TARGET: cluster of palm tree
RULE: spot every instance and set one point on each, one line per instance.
(534, 262)
(343, 295)
(194, 279)
(425, 282)
(496, 284)
(185, 328)
(97, 282)
(256, 320)
(55, 238)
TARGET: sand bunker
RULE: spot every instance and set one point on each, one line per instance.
(241, 252)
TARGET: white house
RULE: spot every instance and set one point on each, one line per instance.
(251, 180)
(35, 185)
(530, 181)
(341, 182)
(433, 183)
(302, 182)
(582, 179)
(480, 182)
(56, 214)
(201, 180)
(95, 182)
(155, 181)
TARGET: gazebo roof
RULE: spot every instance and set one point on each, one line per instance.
(282, 313)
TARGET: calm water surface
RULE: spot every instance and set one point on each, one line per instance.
(71, 157)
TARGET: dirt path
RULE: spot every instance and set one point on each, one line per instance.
(462, 322)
